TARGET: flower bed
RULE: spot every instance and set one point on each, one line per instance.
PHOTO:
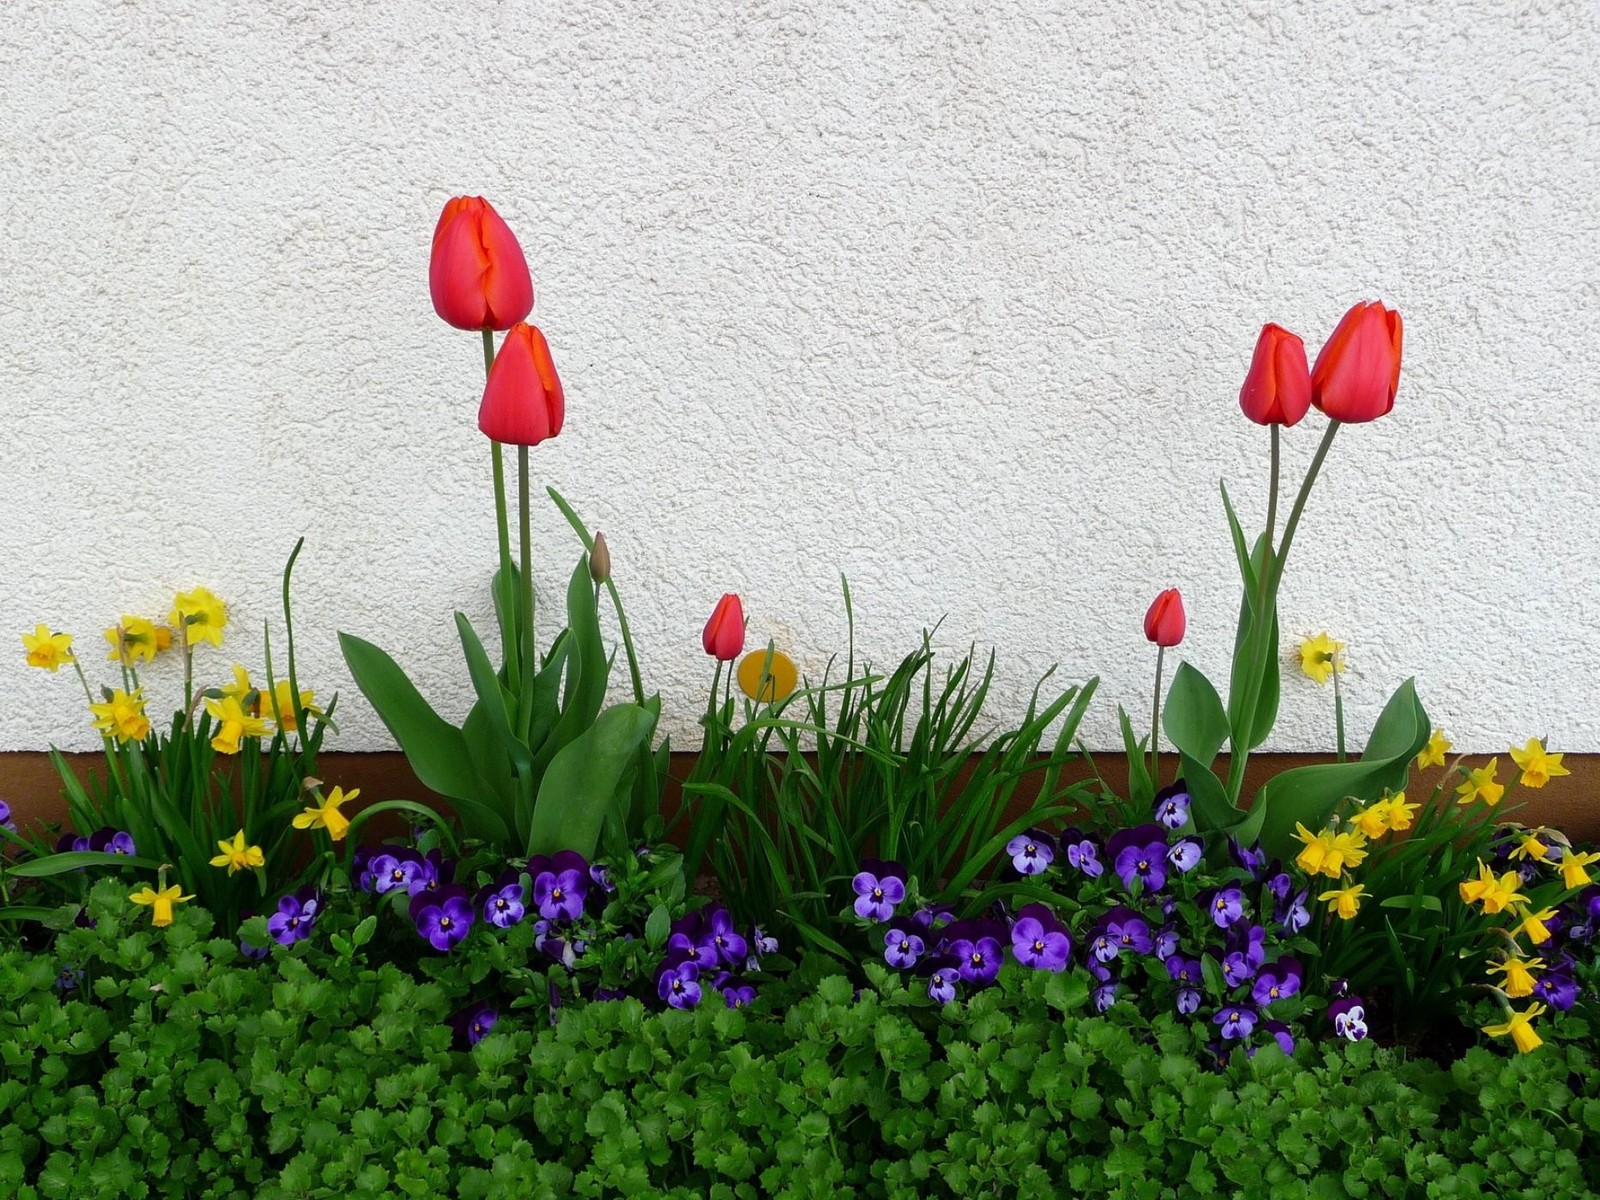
(1361, 980)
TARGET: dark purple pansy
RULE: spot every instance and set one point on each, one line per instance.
(296, 914)
(726, 941)
(1557, 988)
(978, 960)
(1225, 906)
(361, 867)
(931, 920)
(1099, 970)
(1236, 1021)
(690, 941)
(1171, 806)
(1251, 858)
(600, 876)
(112, 841)
(902, 949)
(1280, 885)
(1188, 1000)
(1039, 940)
(878, 890)
(434, 871)
(1251, 939)
(5, 817)
(505, 901)
(679, 984)
(1139, 854)
(1031, 852)
(1185, 854)
(1104, 996)
(559, 892)
(442, 917)
(1184, 970)
(394, 868)
(68, 979)
(1277, 981)
(470, 1026)
(1281, 1034)
(1349, 1017)
(735, 994)
(69, 841)
(1128, 930)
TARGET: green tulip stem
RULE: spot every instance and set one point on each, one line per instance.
(530, 660)
(1338, 705)
(1300, 504)
(1155, 725)
(508, 644)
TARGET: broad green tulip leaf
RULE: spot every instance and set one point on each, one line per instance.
(547, 692)
(492, 764)
(436, 749)
(1306, 795)
(586, 779)
(75, 860)
(1241, 553)
(1194, 719)
(492, 695)
(1140, 789)
(1208, 799)
(27, 912)
(585, 685)
(505, 589)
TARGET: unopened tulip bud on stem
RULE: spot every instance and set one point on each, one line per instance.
(1164, 624)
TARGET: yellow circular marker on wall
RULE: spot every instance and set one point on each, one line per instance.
(780, 672)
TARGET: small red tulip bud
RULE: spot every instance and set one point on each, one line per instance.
(1358, 370)
(1277, 391)
(724, 633)
(477, 274)
(522, 401)
(1164, 623)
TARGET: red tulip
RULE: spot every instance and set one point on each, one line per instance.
(478, 276)
(1277, 391)
(1358, 371)
(522, 400)
(724, 634)
(1165, 622)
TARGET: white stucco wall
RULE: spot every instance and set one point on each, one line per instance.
(954, 298)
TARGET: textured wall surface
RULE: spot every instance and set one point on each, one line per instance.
(954, 298)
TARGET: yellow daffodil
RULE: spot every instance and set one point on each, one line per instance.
(1345, 901)
(1432, 755)
(46, 650)
(1400, 813)
(163, 638)
(1529, 846)
(122, 716)
(285, 714)
(1480, 785)
(233, 724)
(1373, 820)
(1519, 973)
(1538, 766)
(781, 676)
(200, 615)
(1320, 657)
(241, 687)
(1520, 1026)
(160, 902)
(327, 815)
(1533, 925)
(134, 640)
(1573, 867)
(1329, 853)
(1496, 895)
(237, 856)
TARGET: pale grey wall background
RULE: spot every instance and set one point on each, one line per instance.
(952, 297)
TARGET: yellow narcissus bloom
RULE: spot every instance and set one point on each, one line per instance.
(1533, 925)
(1432, 755)
(233, 724)
(1329, 853)
(1496, 895)
(160, 902)
(122, 716)
(133, 640)
(327, 815)
(1480, 785)
(1519, 974)
(1373, 820)
(285, 715)
(1573, 867)
(1537, 765)
(1530, 847)
(237, 856)
(1520, 1026)
(200, 615)
(46, 650)
(1400, 813)
(1320, 657)
(241, 687)
(1345, 901)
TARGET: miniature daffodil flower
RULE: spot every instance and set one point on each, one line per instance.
(46, 650)
(1538, 766)
(1432, 755)
(200, 615)
(160, 902)
(1533, 925)
(1519, 973)
(1400, 813)
(1345, 901)
(327, 815)
(241, 687)
(1320, 657)
(1496, 895)
(1329, 853)
(133, 640)
(122, 716)
(1373, 820)
(1480, 785)
(1530, 847)
(1573, 864)
(285, 717)
(233, 724)
(1520, 1026)
(237, 856)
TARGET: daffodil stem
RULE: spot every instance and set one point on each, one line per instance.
(1155, 725)
(1338, 705)
(508, 640)
(530, 660)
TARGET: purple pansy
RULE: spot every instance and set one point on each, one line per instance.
(112, 841)
(472, 1025)
(977, 960)
(1185, 854)
(1226, 907)
(878, 888)
(1083, 854)
(1166, 942)
(1038, 940)
(296, 913)
(761, 943)
(68, 979)
(1252, 940)
(942, 985)
(1294, 914)
(5, 817)
(931, 920)
(505, 901)
(559, 885)
(735, 994)
(1031, 853)
(726, 941)
(1277, 981)
(1282, 1035)
(443, 917)
(1139, 854)
(395, 868)
(1349, 1017)
(1188, 1000)
(1128, 930)
(902, 949)
(1184, 970)
(1104, 996)
(679, 984)
(1237, 969)
(1251, 858)
(600, 876)
(1171, 806)
(1235, 1020)
(1557, 988)
(1280, 885)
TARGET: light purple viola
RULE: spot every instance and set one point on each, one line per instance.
(1184, 970)
(296, 914)
(1038, 940)
(1104, 996)
(1188, 1001)
(1185, 854)
(1252, 858)
(472, 1025)
(1166, 942)
(1557, 988)
(942, 985)
(978, 960)
(443, 917)
(1294, 914)
(1128, 930)
(735, 993)
(1139, 854)
(1031, 853)
(395, 869)
(679, 985)
(1237, 969)
(1226, 907)
(113, 841)
(761, 943)
(1282, 1035)
(1083, 856)
(1251, 940)
(600, 876)
(1172, 806)
(877, 895)
(1349, 1017)
(1280, 885)
(504, 902)
(1236, 1021)
(902, 949)
(559, 894)
(1277, 981)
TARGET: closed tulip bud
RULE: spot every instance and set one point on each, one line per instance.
(522, 400)
(1358, 371)
(477, 275)
(1164, 623)
(600, 559)
(724, 633)
(1277, 391)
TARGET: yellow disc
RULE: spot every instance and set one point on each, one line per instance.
(780, 672)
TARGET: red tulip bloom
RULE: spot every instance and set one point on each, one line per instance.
(1164, 623)
(724, 634)
(1277, 391)
(1358, 371)
(522, 400)
(478, 276)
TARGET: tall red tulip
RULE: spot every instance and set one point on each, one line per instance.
(522, 401)
(1277, 391)
(1164, 623)
(477, 275)
(724, 633)
(1358, 371)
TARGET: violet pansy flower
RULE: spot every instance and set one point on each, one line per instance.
(1251, 858)
(902, 949)
(1031, 853)
(559, 894)
(1294, 915)
(1277, 981)
(1171, 806)
(1236, 1021)
(442, 917)
(394, 869)
(1038, 940)
(297, 912)
(1226, 907)
(1282, 1035)
(1185, 854)
(472, 1025)
(1083, 854)
(876, 896)
(505, 901)
(1188, 1000)
(1349, 1017)
(1237, 969)
(977, 960)
(1104, 996)
(679, 984)
(726, 941)
(1139, 854)
(942, 985)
